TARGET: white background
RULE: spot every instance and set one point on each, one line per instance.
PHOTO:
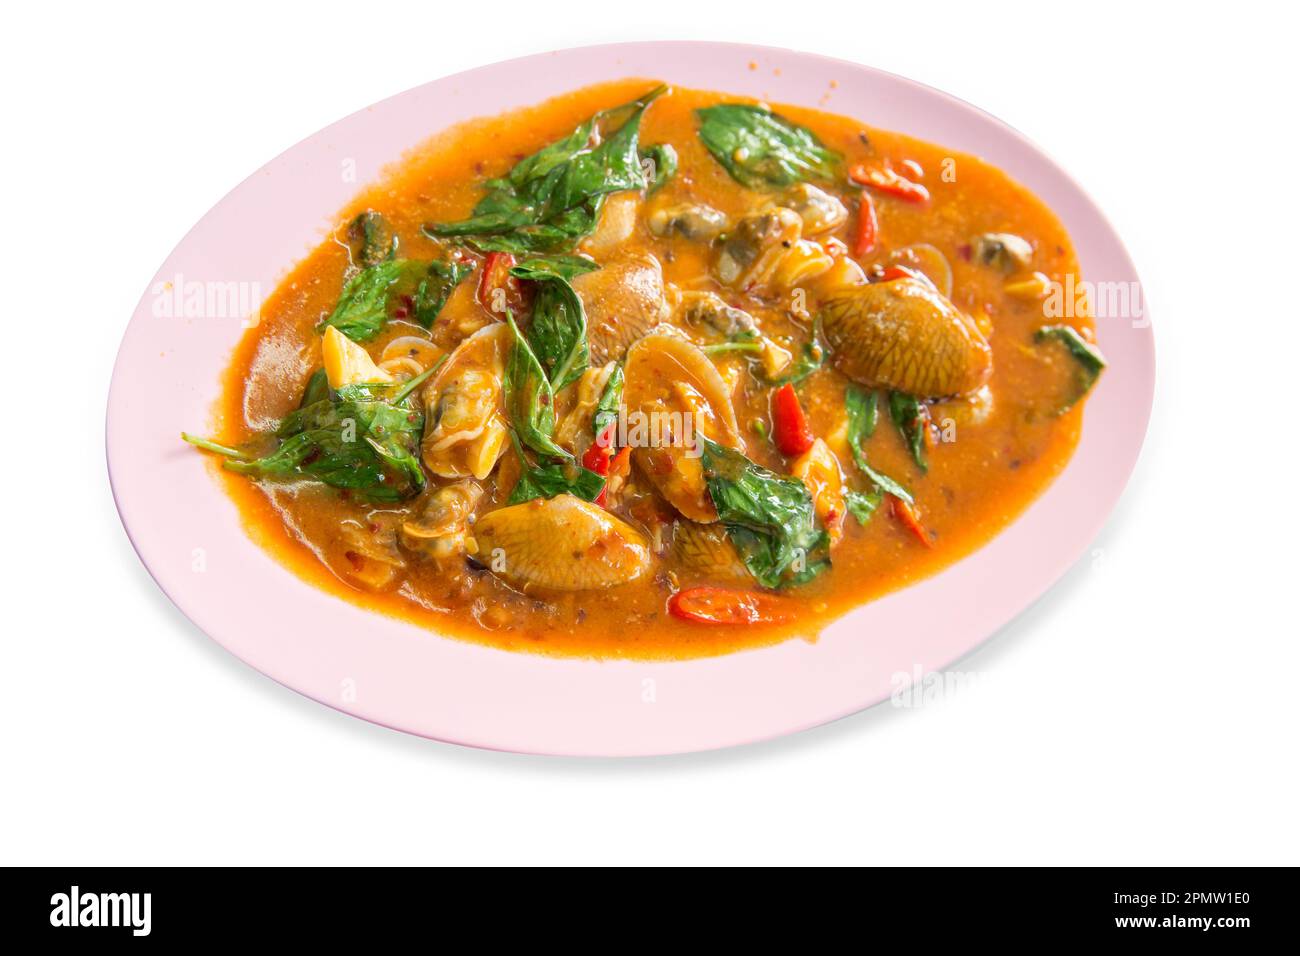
(1143, 712)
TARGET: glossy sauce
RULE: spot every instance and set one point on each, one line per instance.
(975, 485)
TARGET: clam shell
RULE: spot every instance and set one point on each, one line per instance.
(904, 335)
(819, 210)
(707, 549)
(464, 430)
(667, 378)
(564, 544)
(624, 301)
(412, 347)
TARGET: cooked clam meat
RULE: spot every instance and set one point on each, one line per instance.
(820, 211)
(1003, 251)
(820, 471)
(624, 300)
(560, 544)
(465, 425)
(677, 393)
(904, 335)
(651, 372)
(735, 324)
(692, 220)
(752, 250)
(440, 525)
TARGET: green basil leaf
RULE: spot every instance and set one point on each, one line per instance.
(549, 480)
(611, 397)
(529, 399)
(553, 198)
(660, 164)
(762, 150)
(912, 419)
(862, 505)
(350, 440)
(373, 239)
(317, 388)
(863, 413)
(1088, 357)
(557, 332)
(436, 287)
(770, 519)
(541, 268)
(362, 309)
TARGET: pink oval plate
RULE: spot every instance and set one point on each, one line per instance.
(189, 535)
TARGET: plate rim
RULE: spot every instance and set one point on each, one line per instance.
(638, 742)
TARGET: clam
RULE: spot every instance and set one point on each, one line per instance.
(802, 262)
(402, 369)
(693, 221)
(708, 308)
(373, 560)
(465, 429)
(413, 348)
(578, 419)
(672, 391)
(707, 549)
(820, 471)
(564, 544)
(752, 251)
(904, 335)
(819, 210)
(439, 528)
(617, 221)
(1003, 251)
(737, 325)
(624, 300)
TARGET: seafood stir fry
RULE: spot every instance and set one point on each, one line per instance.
(671, 376)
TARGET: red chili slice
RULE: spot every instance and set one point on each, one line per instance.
(888, 181)
(598, 456)
(496, 276)
(868, 226)
(790, 427)
(907, 517)
(709, 605)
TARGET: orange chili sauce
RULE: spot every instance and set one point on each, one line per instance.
(976, 484)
